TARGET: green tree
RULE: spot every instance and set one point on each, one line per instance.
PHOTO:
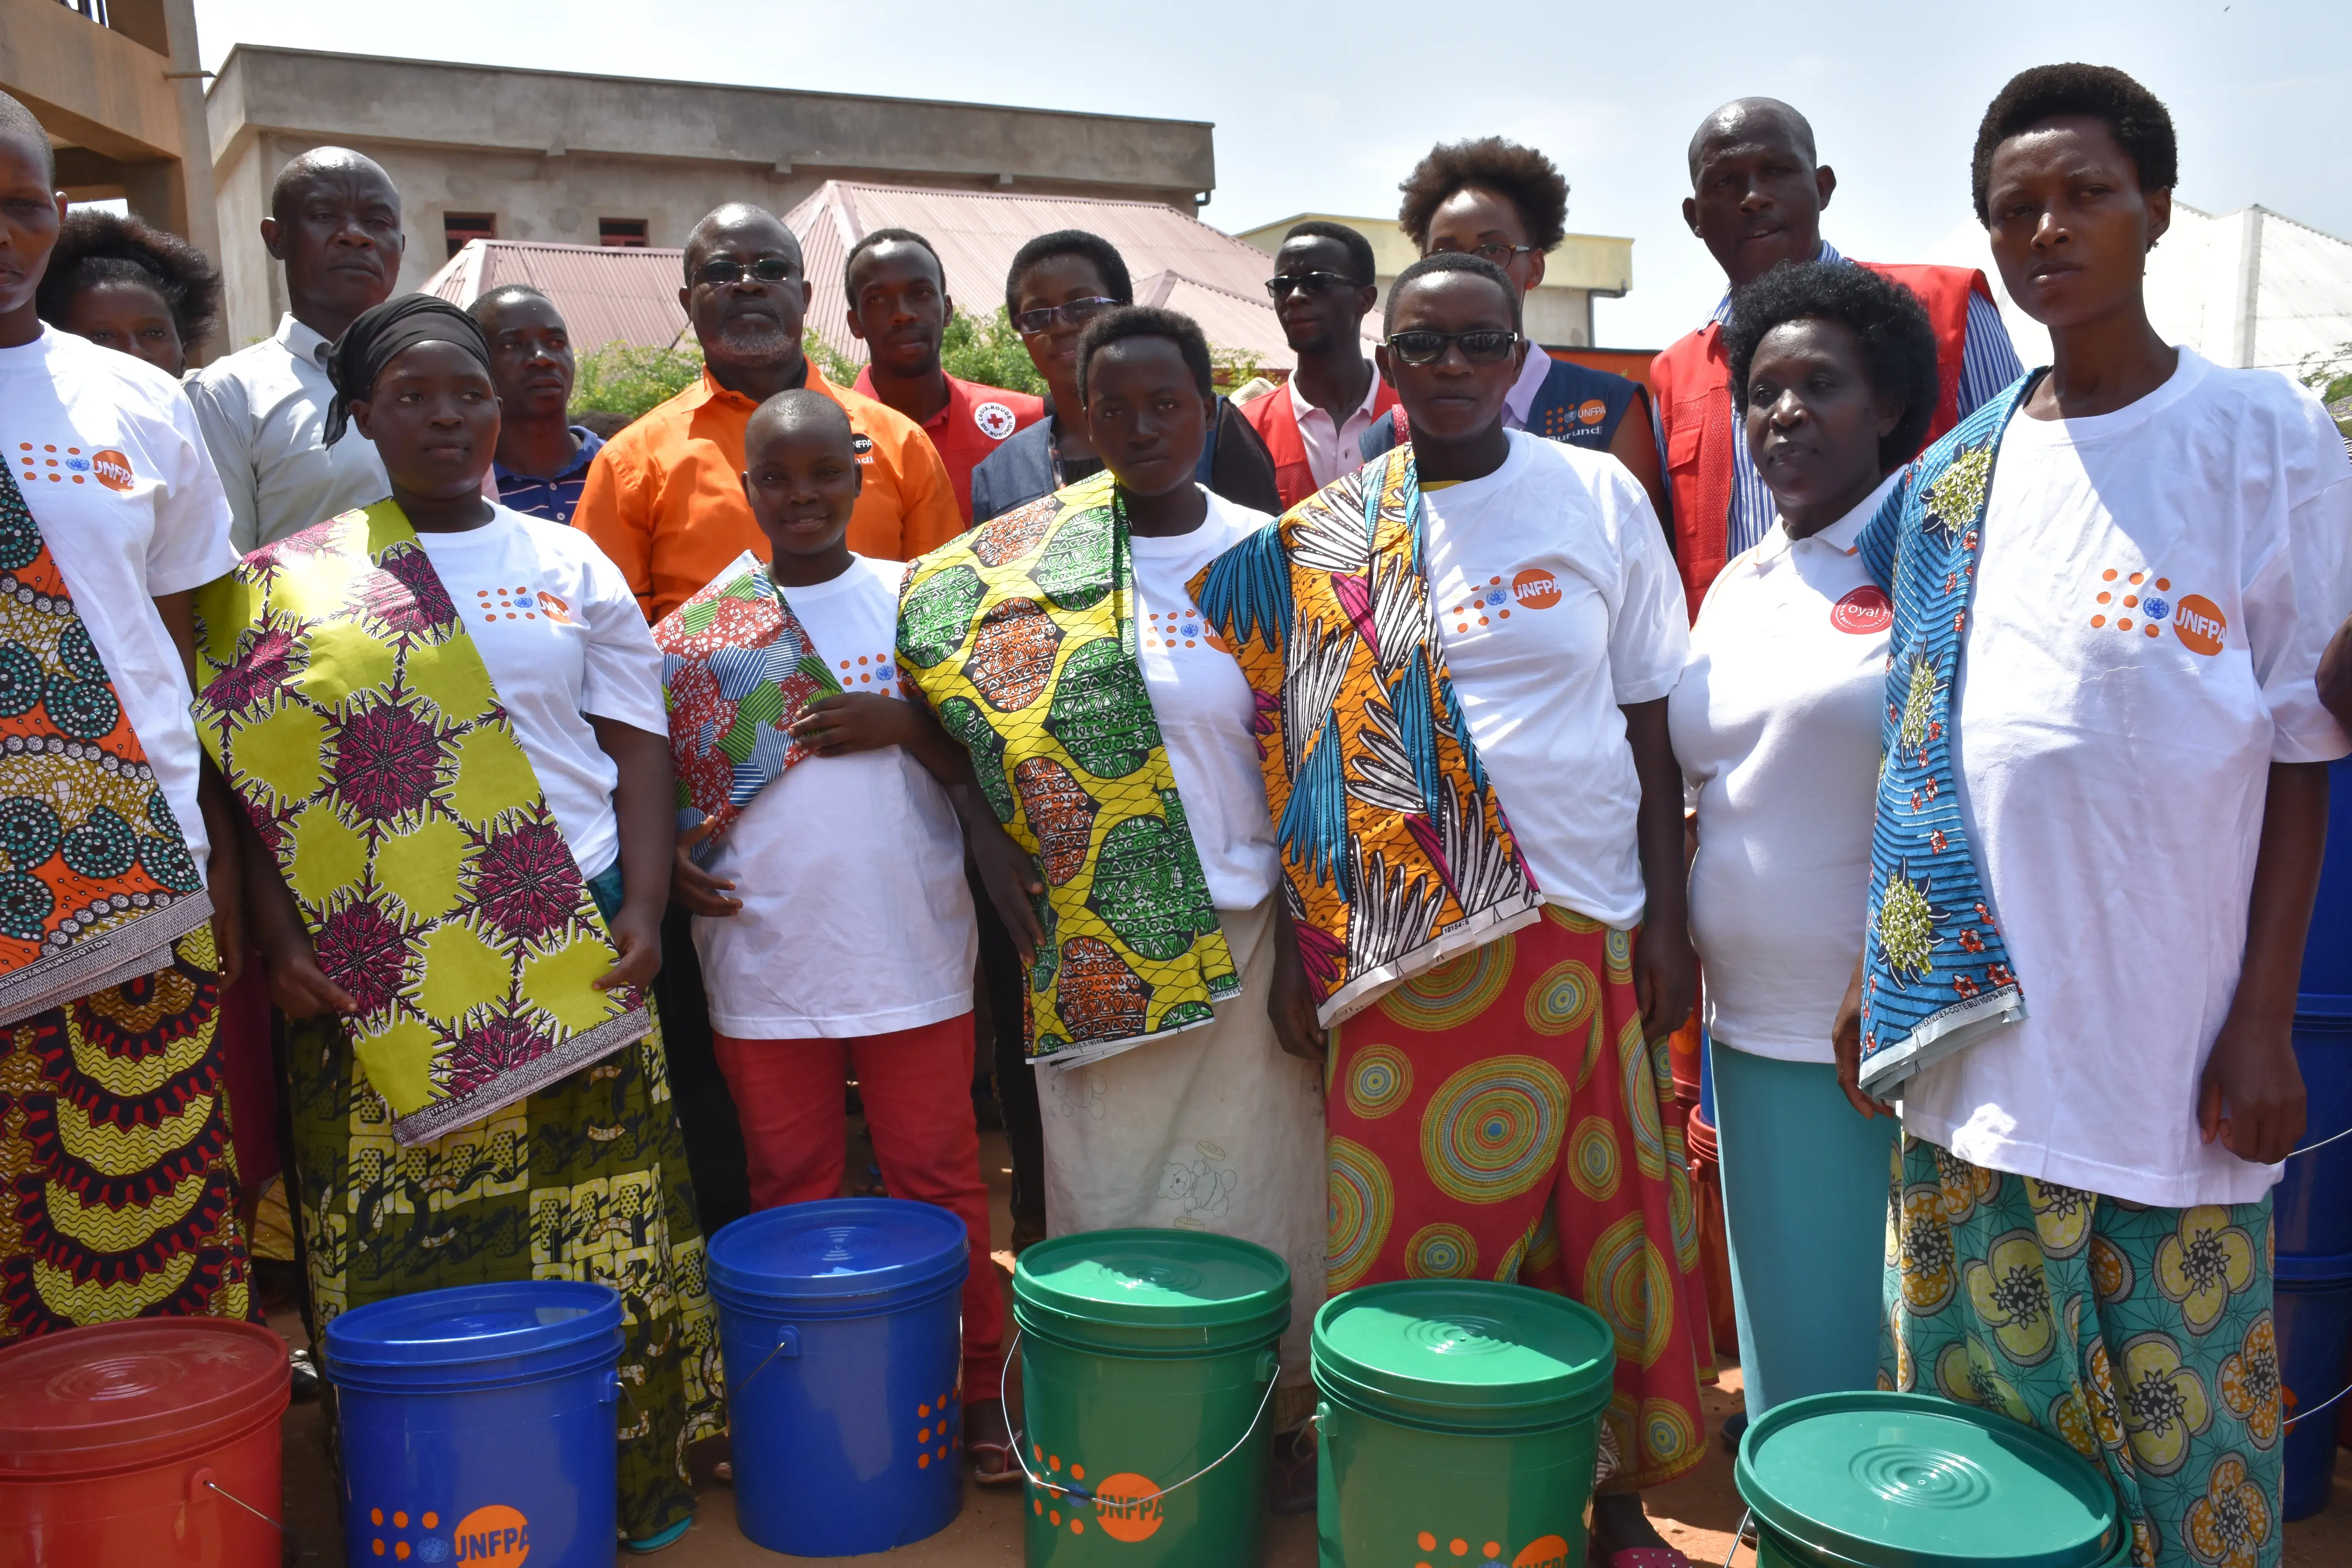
(989, 352)
(619, 379)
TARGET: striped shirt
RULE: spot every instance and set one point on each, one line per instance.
(1989, 363)
(553, 498)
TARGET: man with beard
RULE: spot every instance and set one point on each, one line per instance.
(335, 221)
(665, 498)
(1323, 286)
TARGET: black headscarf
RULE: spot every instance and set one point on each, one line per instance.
(369, 344)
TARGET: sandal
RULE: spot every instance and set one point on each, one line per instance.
(660, 1539)
(1007, 1470)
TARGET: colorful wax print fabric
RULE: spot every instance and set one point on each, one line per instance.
(351, 714)
(1021, 635)
(96, 880)
(1395, 850)
(1499, 1117)
(1938, 973)
(737, 666)
(585, 1180)
(2141, 1336)
(118, 1185)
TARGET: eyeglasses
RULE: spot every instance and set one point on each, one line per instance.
(767, 270)
(1076, 313)
(1290, 283)
(1481, 346)
(1500, 254)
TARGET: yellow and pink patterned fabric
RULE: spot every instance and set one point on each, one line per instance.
(354, 717)
(1499, 1117)
(737, 668)
(1395, 851)
(1021, 635)
(2141, 1336)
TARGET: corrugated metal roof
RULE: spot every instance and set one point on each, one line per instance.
(607, 294)
(1217, 280)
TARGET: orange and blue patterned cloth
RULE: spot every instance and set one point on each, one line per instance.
(1395, 851)
(2141, 1336)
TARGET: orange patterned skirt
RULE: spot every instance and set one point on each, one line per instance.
(1498, 1117)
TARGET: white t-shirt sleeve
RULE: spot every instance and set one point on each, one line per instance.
(190, 546)
(623, 676)
(1649, 630)
(2297, 599)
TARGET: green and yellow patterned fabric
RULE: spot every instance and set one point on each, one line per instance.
(351, 713)
(1021, 635)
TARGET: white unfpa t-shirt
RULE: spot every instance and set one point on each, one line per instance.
(856, 918)
(1556, 604)
(563, 638)
(1205, 709)
(2156, 588)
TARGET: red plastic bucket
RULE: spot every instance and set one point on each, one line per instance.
(122, 1445)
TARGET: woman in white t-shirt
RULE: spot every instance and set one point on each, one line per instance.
(1776, 723)
(581, 1179)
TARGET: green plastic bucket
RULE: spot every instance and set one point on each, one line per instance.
(1147, 1367)
(1910, 1480)
(1460, 1423)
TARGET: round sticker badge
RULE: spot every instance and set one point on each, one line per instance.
(1863, 612)
(1592, 411)
(996, 421)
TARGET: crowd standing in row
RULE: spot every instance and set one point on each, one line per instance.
(1322, 879)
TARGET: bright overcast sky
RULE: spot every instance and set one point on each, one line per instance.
(1325, 106)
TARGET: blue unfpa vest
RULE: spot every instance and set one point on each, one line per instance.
(1576, 405)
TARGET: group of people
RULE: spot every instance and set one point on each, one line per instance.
(1318, 811)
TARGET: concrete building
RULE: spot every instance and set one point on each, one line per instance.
(491, 152)
(117, 88)
(1585, 267)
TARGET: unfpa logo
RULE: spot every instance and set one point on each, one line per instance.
(493, 1537)
(2200, 625)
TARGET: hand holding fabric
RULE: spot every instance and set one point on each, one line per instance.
(695, 887)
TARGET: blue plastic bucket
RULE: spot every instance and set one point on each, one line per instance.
(2313, 1307)
(2327, 954)
(840, 1323)
(2312, 1204)
(480, 1424)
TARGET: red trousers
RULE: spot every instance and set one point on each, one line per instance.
(917, 1088)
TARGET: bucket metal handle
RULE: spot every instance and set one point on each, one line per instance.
(788, 1345)
(201, 1480)
(1085, 1494)
(1739, 1538)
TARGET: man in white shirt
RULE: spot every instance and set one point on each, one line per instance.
(1323, 287)
(335, 221)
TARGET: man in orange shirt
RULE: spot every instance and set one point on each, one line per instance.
(899, 309)
(665, 498)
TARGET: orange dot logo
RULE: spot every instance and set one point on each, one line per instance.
(1545, 1552)
(1536, 588)
(1863, 612)
(112, 469)
(2199, 623)
(1593, 411)
(493, 1537)
(1128, 1507)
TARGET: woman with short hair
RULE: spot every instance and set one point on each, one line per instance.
(1776, 723)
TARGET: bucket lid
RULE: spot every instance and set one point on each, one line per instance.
(1465, 1354)
(876, 1251)
(121, 1396)
(1910, 1480)
(2319, 1273)
(475, 1335)
(1147, 1292)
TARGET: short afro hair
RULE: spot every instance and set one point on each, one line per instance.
(886, 236)
(1359, 249)
(1149, 321)
(1521, 175)
(17, 121)
(1069, 242)
(2138, 118)
(1452, 262)
(95, 247)
(1898, 346)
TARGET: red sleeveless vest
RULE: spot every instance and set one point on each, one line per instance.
(1691, 383)
(1277, 427)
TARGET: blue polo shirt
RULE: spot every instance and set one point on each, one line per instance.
(556, 498)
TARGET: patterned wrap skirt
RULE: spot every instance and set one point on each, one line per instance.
(2141, 1336)
(585, 1180)
(118, 1186)
(1500, 1118)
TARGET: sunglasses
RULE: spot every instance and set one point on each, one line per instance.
(767, 270)
(1290, 283)
(1500, 254)
(1481, 346)
(1076, 313)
